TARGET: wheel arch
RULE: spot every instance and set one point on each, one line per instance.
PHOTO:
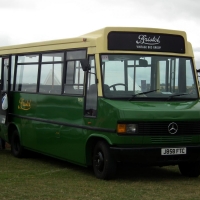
(90, 144)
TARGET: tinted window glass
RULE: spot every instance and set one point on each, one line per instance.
(12, 72)
(74, 78)
(28, 59)
(73, 55)
(51, 78)
(26, 79)
(52, 57)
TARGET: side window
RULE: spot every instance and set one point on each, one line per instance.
(91, 94)
(74, 73)
(48, 68)
(27, 71)
(51, 73)
(26, 79)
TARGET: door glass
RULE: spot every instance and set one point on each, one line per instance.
(12, 72)
(5, 71)
(0, 69)
(91, 98)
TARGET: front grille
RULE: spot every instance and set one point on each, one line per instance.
(161, 128)
(170, 139)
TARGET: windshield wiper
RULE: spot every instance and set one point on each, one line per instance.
(134, 95)
(176, 95)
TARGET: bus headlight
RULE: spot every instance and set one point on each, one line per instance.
(127, 128)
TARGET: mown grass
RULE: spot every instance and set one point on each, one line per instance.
(40, 177)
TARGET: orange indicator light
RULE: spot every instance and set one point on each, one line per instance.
(121, 128)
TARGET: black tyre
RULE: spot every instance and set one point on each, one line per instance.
(16, 148)
(190, 169)
(2, 144)
(104, 165)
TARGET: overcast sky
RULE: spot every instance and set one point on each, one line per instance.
(24, 21)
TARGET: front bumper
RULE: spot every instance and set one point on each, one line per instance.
(152, 155)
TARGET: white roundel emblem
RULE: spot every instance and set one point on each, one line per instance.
(172, 128)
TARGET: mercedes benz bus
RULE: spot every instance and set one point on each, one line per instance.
(118, 94)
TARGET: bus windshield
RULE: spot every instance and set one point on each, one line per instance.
(142, 76)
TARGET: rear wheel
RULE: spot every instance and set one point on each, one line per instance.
(16, 148)
(2, 144)
(104, 165)
(191, 169)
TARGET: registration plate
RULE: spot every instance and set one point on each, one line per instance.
(173, 151)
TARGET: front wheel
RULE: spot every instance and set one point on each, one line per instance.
(104, 165)
(16, 148)
(190, 169)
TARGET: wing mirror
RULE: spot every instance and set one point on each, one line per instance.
(85, 65)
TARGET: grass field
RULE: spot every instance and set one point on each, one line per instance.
(40, 177)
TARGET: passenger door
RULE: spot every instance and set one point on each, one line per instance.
(4, 87)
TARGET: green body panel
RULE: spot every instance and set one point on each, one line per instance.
(47, 136)
(56, 126)
(133, 111)
(151, 111)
